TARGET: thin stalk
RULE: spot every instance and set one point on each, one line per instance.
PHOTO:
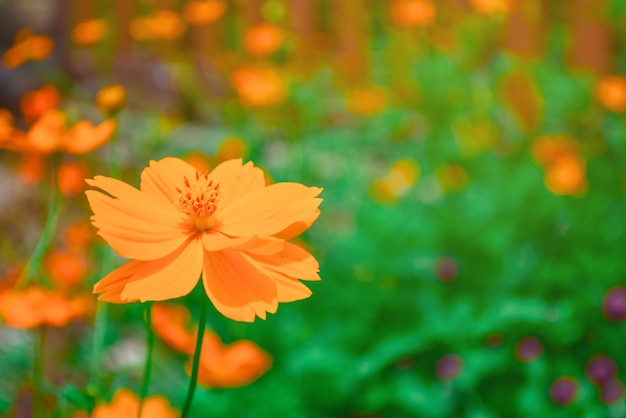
(145, 383)
(100, 322)
(47, 234)
(196, 358)
(38, 359)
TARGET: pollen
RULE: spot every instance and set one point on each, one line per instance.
(198, 198)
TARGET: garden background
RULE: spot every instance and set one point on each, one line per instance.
(472, 238)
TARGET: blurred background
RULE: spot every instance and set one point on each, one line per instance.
(472, 240)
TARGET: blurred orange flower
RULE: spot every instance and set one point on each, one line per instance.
(71, 178)
(77, 236)
(402, 175)
(161, 25)
(611, 92)
(263, 39)
(27, 46)
(226, 225)
(125, 404)
(567, 176)
(66, 268)
(452, 177)
(35, 306)
(36, 103)
(32, 168)
(230, 366)
(409, 13)
(258, 87)
(89, 32)
(10, 136)
(171, 323)
(112, 98)
(565, 168)
(491, 6)
(232, 147)
(204, 12)
(366, 101)
(49, 135)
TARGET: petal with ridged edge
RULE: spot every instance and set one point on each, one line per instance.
(161, 178)
(292, 261)
(170, 277)
(111, 286)
(133, 223)
(237, 288)
(237, 180)
(287, 288)
(269, 211)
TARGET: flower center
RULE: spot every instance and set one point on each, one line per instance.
(198, 199)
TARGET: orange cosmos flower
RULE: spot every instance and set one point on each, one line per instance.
(77, 236)
(164, 25)
(10, 136)
(263, 39)
(36, 103)
(204, 12)
(259, 87)
(409, 13)
(35, 306)
(70, 178)
(611, 93)
(230, 366)
(66, 268)
(491, 6)
(28, 46)
(125, 404)
(452, 177)
(32, 168)
(366, 101)
(225, 224)
(49, 135)
(111, 99)
(171, 323)
(89, 32)
(567, 176)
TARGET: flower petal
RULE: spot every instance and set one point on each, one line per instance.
(216, 241)
(292, 261)
(162, 178)
(170, 277)
(269, 211)
(135, 224)
(237, 288)
(85, 137)
(112, 284)
(237, 180)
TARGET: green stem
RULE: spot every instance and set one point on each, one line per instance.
(145, 384)
(196, 357)
(38, 355)
(45, 239)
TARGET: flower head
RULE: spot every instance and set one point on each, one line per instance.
(126, 404)
(226, 225)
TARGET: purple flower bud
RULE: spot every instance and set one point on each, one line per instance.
(449, 366)
(563, 390)
(528, 349)
(614, 304)
(611, 391)
(447, 269)
(600, 369)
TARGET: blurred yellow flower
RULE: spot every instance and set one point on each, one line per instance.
(112, 98)
(161, 25)
(366, 101)
(491, 6)
(401, 176)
